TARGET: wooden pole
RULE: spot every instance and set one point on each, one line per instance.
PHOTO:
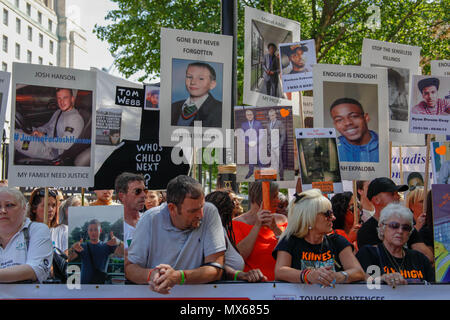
(390, 159)
(427, 173)
(82, 196)
(355, 205)
(46, 206)
(400, 164)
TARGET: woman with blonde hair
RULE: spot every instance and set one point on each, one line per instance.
(414, 201)
(306, 253)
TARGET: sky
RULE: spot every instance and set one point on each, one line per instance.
(94, 12)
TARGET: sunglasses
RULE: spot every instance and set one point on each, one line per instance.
(396, 225)
(138, 191)
(328, 214)
(51, 193)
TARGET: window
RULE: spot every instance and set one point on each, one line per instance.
(40, 17)
(4, 66)
(40, 60)
(18, 25)
(5, 17)
(30, 33)
(28, 9)
(50, 46)
(50, 25)
(41, 40)
(5, 44)
(17, 3)
(17, 53)
(29, 56)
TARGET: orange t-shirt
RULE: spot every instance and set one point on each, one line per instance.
(261, 256)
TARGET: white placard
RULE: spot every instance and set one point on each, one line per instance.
(413, 166)
(262, 84)
(296, 60)
(319, 161)
(402, 61)
(264, 138)
(359, 116)
(430, 105)
(53, 136)
(196, 70)
(440, 67)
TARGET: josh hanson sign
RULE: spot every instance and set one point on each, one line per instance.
(130, 97)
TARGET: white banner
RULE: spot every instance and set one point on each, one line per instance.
(254, 291)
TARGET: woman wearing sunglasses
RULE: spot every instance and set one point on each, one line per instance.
(306, 253)
(397, 265)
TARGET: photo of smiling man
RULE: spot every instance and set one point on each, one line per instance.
(357, 142)
(200, 80)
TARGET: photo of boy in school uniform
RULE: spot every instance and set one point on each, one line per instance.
(200, 79)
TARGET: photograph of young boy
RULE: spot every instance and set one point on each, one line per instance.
(201, 105)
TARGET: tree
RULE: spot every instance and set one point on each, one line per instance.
(338, 27)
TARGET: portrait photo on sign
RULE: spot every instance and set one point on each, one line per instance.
(264, 139)
(440, 157)
(398, 85)
(319, 161)
(52, 126)
(352, 109)
(264, 33)
(96, 249)
(197, 89)
(108, 126)
(151, 98)
(296, 60)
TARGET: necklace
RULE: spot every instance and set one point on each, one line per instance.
(392, 260)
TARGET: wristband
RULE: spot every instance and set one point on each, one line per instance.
(236, 274)
(183, 279)
(149, 274)
(306, 277)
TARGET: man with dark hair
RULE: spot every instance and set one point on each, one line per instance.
(181, 241)
(200, 105)
(431, 104)
(275, 150)
(271, 68)
(297, 62)
(66, 124)
(130, 189)
(414, 180)
(251, 129)
(381, 192)
(357, 143)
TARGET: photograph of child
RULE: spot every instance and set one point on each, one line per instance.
(196, 96)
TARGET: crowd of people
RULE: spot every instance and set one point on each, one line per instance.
(183, 236)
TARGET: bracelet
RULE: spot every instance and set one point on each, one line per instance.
(345, 274)
(149, 274)
(306, 276)
(183, 279)
(302, 276)
(236, 274)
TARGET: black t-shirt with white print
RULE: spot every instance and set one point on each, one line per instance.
(415, 267)
(307, 255)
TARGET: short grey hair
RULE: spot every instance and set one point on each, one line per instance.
(18, 195)
(394, 210)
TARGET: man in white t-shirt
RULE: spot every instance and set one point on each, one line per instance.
(130, 189)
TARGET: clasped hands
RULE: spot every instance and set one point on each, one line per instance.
(163, 278)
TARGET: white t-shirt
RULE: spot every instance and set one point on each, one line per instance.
(60, 238)
(39, 254)
(128, 232)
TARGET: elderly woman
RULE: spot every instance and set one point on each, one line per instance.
(414, 201)
(257, 231)
(234, 263)
(59, 232)
(26, 248)
(397, 264)
(306, 253)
